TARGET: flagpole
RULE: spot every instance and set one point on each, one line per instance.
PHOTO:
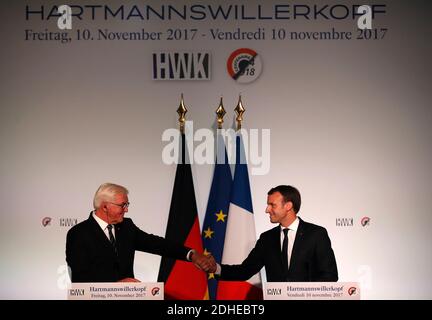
(220, 113)
(239, 110)
(182, 114)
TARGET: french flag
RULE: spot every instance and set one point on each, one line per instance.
(240, 235)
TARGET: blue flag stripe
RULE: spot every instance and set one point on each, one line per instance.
(241, 195)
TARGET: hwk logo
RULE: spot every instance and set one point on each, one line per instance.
(181, 66)
(68, 222)
(274, 291)
(76, 292)
(344, 222)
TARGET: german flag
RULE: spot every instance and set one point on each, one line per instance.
(183, 281)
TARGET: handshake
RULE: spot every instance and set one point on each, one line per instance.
(203, 262)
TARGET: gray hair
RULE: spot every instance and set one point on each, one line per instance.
(106, 192)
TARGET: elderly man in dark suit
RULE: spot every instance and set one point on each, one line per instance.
(295, 250)
(102, 248)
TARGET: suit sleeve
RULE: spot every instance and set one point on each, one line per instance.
(249, 267)
(77, 257)
(326, 268)
(157, 245)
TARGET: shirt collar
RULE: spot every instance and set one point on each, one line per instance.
(293, 226)
(100, 222)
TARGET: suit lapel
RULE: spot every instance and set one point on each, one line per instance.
(99, 233)
(276, 245)
(119, 236)
(297, 243)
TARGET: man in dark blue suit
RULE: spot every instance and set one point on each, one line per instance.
(295, 250)
(102, 248)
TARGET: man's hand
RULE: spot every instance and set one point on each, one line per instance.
(212, 261)
(205, 263)
(129, 280)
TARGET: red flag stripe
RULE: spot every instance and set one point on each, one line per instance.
(177, 285)
(238, 290)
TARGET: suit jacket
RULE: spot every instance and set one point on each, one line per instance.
(92, 258)
(312, 258)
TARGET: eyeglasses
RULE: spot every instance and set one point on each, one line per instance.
(122, 205)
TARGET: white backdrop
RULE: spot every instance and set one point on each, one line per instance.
(349, 120)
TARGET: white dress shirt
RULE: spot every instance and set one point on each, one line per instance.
(103, 225)
(292, 231)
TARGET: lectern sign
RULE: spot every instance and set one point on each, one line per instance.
(312, 291)
(116, 291)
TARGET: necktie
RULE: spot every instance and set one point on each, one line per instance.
(285, 251)
(111, 237)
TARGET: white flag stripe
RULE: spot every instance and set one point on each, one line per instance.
(240, 238)
(240, 235)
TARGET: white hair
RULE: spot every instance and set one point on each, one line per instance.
(106, 192)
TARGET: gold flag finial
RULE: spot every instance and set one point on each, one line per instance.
(239, 111)
(182, 114)
(220, 112)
